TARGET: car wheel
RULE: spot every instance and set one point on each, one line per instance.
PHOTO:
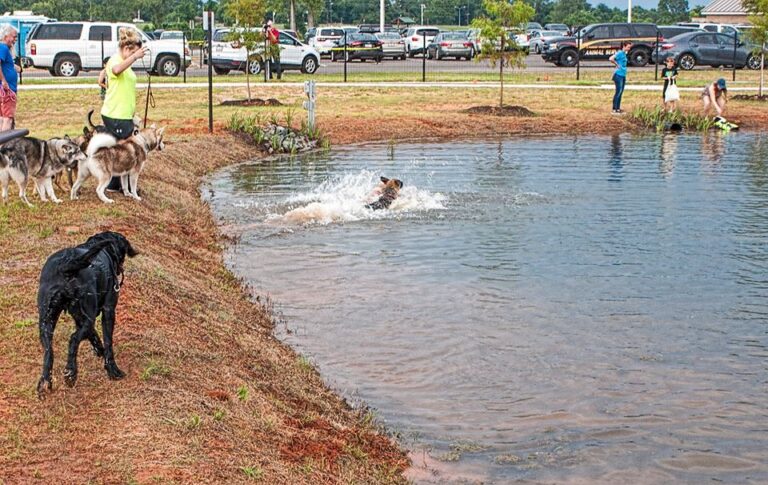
(254, 67)
(168, 66)
(410, 53)
(687, 62)
(309, 65)
(220, 71)
(67, 66)
(52, 71)
(471, 53)
(753, 62)
(639, 57)
(569, 57)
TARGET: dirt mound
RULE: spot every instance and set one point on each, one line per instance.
(505, 110)
(750, 97)
(252, 102)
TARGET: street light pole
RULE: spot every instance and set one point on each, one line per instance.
(381, 16)
(422, 13)
(629, 11)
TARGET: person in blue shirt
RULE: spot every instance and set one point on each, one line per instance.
(8, 77)
(620, 74)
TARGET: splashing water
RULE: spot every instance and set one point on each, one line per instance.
(343, 199)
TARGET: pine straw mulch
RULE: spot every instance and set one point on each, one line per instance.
(210, 396)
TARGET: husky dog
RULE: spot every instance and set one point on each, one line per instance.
(107, 157)
(40, 160)
(389, 190)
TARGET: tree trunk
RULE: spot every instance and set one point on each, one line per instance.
(248, 74)
(292, 4)
(762, 70)
(310, 20)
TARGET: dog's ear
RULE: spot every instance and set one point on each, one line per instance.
(66, 137)
(399, 183)
(384, 180)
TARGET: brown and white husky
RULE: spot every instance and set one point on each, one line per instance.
(108, 157)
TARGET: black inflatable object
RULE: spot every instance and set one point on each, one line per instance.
(12, 135)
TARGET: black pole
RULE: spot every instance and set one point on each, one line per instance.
(102, 49)
(423, 56)
(266, 57)
(210, 72)
(578, 52)
(735, 44)
(149, 96)
(184, 54)
(346, 55)
(658, 41)
(21, 59)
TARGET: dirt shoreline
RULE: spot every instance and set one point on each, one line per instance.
(211, 396)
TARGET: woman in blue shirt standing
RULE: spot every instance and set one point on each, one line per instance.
(620, 74)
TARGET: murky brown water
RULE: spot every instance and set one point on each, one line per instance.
(567, 309)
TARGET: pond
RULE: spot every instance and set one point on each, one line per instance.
(570, 308)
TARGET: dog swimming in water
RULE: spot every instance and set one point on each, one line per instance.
(389, 190)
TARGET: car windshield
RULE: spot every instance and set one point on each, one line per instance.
(428, 32)
(557, 26)
(388, 36)
(362, 37)
(550, 33)
(170, 35)
(331, 33)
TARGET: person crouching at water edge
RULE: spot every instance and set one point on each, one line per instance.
(620, 74)
(715, 94)
(120, 100)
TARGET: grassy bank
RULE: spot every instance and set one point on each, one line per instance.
(211, 396)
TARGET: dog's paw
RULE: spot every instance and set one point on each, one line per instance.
(114, 372)
(57, 201)
(70, 377)
(44, 386)
(109, 201)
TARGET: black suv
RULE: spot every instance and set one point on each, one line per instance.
(601, 41)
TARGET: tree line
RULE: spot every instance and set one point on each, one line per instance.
(176, 14)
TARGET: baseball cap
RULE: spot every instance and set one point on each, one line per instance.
(721, 83)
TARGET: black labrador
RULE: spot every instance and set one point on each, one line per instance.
(84, 281)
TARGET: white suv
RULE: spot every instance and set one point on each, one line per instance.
(66, 48)
(228, 56)
(414, 38)
(325, 39)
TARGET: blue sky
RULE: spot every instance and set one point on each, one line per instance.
(643, 3)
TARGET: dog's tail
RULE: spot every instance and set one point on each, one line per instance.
(90, 123)
(99, 141)
(78, 263)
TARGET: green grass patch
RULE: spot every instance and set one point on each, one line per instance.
(252, 472)
(154, 368)
(26, 323)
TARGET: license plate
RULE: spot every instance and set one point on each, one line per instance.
(368, 45)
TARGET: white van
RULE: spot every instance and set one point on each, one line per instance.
(66, 48)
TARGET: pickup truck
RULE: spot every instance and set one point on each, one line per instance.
(66, 48)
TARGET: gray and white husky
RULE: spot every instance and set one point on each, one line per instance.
(108, 157)
(27, 157)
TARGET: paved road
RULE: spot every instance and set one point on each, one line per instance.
(534, 63)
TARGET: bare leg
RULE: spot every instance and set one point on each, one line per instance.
(707, 102)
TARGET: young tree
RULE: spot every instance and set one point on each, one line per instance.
(671, 11)
(314, 10)
(758, 10)
(249, 18)
(503, 18)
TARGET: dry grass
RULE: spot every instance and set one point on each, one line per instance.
(211, 396)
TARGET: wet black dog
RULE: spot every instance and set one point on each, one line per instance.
(84, 281)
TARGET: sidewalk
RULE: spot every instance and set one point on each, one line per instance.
(391, 85)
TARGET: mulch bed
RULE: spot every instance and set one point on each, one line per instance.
(252, 102)
(506, 110)
(750, 97)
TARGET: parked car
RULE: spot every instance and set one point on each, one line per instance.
(669, 31)
(358, 46)
(562, 28)
(450, 44)
(325, 39)
(171, 35)
(392, 44)
(375, 28)
(230, 56)
(600, 41)
(539, 37)
(417, 37)
(533, 26)
(728, 29)
(66, 48)
(292, 33)
(707, 49)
